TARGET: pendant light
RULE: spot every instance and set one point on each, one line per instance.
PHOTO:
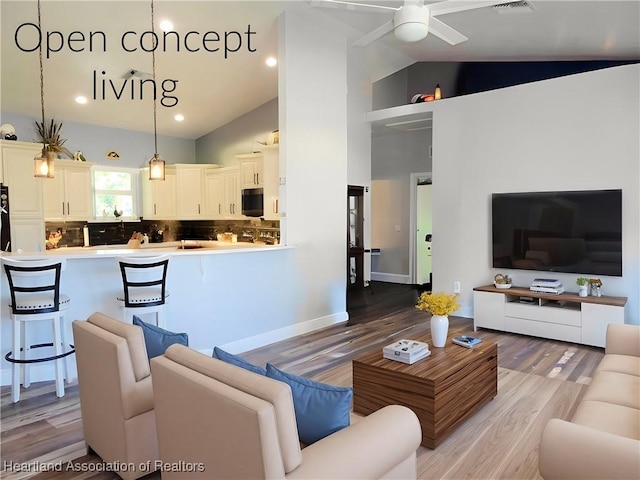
(43, 165)
(156, 164)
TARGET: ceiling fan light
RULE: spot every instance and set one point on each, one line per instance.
(411, 23)
(411, 32)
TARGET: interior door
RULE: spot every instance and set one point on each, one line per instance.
(424, 233)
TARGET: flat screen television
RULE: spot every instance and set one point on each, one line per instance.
(574, 232)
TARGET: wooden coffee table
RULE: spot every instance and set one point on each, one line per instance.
(443, 389)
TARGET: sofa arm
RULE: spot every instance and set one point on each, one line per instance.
(570, 451)
(623, 339)
(367, 449)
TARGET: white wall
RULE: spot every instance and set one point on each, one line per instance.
(549, 135)
(312, 83)
(135, 148)
(238, 136)
(394, 157)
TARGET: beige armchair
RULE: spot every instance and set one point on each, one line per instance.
(216, 420)
(116, 395)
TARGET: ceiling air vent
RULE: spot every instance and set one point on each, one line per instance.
(514, 7)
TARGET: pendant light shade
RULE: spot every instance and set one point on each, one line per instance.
(156, 168)
(43, 166)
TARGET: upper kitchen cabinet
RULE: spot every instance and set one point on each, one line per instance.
(251, 170)
(24, 189)
(159, 197)
(191, 191)
(68, 195)
(260, 170)
(223, 193)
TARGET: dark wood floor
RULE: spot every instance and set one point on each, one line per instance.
(537, 379)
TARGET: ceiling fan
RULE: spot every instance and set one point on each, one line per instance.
(413, 20)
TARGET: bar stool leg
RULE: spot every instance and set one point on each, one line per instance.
(57, 342)
(65, 335)
(15, 368)
(26, 349)
(160, 318)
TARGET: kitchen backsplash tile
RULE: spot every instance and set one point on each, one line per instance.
(113, 233)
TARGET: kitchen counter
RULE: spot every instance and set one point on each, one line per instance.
(219, 294)
(187, 247)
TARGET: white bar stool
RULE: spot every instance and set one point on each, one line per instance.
(144, 282)
(35, 296)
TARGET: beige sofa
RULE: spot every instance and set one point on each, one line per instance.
(116, 395)
(602, 440)
(216, 420)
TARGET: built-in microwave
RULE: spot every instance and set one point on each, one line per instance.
(252, 202)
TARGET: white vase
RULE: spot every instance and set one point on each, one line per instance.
(439, 330)
(582, 291)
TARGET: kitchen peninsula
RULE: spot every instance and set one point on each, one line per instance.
(218, 292)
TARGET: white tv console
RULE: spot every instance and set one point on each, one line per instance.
(567, 317)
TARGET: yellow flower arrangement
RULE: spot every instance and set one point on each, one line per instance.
(439, 303)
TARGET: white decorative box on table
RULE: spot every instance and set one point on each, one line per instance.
(406, 351)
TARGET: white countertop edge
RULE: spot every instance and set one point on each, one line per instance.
(97, 252)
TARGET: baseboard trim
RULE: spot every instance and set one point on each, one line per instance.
(279, 334)
(391, 278)
(43, 373)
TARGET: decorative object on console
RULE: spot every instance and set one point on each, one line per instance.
(437, 94)
(112, 155)
(595, 285)
(320, 409)
(547, 285)
(583, 286)
(157, 339)
(502, 281)
(8, 132)
(79, 156)
(440, 305)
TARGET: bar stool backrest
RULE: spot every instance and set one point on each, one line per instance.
(30, 279)
(144, 272)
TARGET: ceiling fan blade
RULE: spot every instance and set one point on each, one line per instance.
(445, 32)
(353, 6)
(453, 6)
(374, 34)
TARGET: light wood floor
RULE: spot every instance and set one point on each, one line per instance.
(537, 380)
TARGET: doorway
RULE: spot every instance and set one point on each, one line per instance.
(421, 239)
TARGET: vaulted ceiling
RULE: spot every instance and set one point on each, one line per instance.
(90, 52)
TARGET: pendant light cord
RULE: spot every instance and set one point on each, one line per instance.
(155, 96)
(44, 135)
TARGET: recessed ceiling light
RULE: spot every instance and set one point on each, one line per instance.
(179, 117)
(81, 99)
(271, 61)
(166, 26)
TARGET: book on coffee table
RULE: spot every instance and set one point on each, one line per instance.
(406, 351)
(466, 341)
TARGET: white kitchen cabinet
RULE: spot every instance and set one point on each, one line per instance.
(68, 195)
(159, 196)
(271, 182)
(223, 193)
(25, 195)
(190, 192)
(251, 170)
(27, 234)
(25, 190)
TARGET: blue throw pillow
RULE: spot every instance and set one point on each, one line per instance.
(237, 361)
(158, 339)
(321, 409)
